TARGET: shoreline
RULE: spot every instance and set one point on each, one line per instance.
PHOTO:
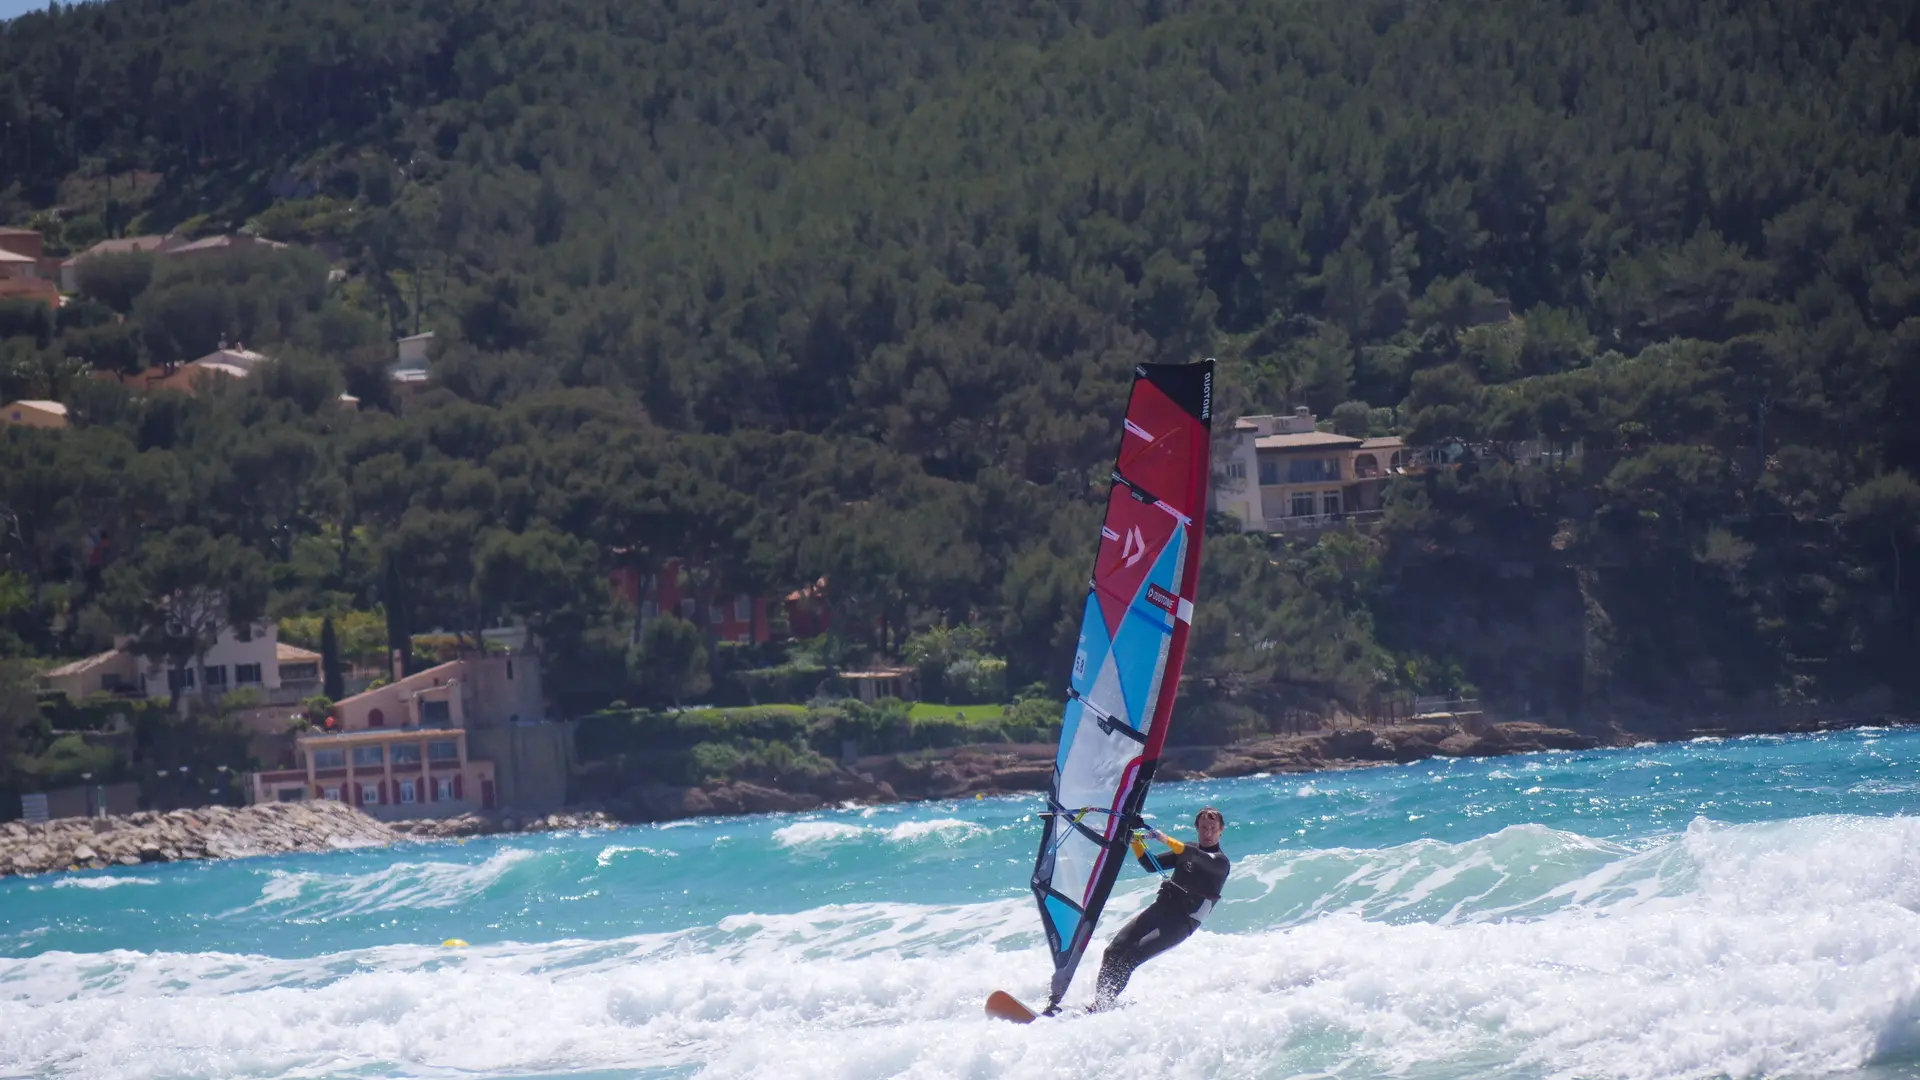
(1014, 768)
(223, 832)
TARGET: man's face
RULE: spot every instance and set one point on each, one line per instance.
(1208, 826)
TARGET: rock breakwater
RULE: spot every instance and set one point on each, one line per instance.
(207, 832)
(489, 824)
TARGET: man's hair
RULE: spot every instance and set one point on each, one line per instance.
(1217, 816)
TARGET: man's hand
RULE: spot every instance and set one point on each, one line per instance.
(1173, 845)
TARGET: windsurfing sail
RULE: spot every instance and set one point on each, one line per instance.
(1133, 639)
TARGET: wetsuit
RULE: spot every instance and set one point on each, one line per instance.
(1185, 899)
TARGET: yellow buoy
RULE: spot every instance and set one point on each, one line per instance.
(454, 943)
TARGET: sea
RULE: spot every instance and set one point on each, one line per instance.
(1747, 907)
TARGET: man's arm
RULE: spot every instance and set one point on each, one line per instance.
(1151, 863)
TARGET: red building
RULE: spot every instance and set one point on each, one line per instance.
(726, 615)
(729, 616)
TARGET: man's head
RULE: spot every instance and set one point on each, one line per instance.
(1208, 824)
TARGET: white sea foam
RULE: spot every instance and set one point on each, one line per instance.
(941, 828)
(397, 885)
(1783, 948)
(614, 851)
(802, 833)
(91, 882)
(806, 833)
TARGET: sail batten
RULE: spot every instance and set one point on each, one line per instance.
(1127, 661)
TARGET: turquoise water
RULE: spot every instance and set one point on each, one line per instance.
(1738, 908)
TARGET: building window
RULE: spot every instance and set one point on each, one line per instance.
(406, 754)
(686, 610)
(1330, 503)
(292, 794)
(376, 718)
(649, 609)
(1312, 470)
(444, 786)
(366, 755)
(653, 582)
(407, 793)
(443, 750)
(743, 637)
(1303, 504)
(246, 674)
(333, 794)
(509, 668)
(1236, 470)
(436, 714)
(370, 793)
(216, 675)
(716, 612)
(299, 672)
(743, 607)
(179, 678)
(1269, 473)
(329, 759)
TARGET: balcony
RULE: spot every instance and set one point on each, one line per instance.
(1361, 520)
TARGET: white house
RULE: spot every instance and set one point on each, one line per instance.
(248, 658)
(237, 357)
(1283, 474)
(410, 353)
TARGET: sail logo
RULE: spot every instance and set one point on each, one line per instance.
(1162, 599)
(1135, 548)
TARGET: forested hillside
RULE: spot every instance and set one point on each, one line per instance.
(853, 290)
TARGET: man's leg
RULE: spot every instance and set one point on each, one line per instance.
(1149, 934)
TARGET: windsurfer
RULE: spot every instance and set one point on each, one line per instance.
(1186, 898)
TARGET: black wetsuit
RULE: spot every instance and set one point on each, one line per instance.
(1187, 897)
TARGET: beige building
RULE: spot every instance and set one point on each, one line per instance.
(252, 659)
(1283, 474)
(403, 750)
(125, 245)
(879, 683)
(34, 414)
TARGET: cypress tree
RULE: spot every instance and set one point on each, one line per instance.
(399, 639)
(334, 686)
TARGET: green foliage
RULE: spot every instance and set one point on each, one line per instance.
(669, 662)
(183, 589)
(955, 666)
(64, 761)
(754, 759)
(116, 280)
(315, 709)
(853, 292)
(794, 682)
(361, 634)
